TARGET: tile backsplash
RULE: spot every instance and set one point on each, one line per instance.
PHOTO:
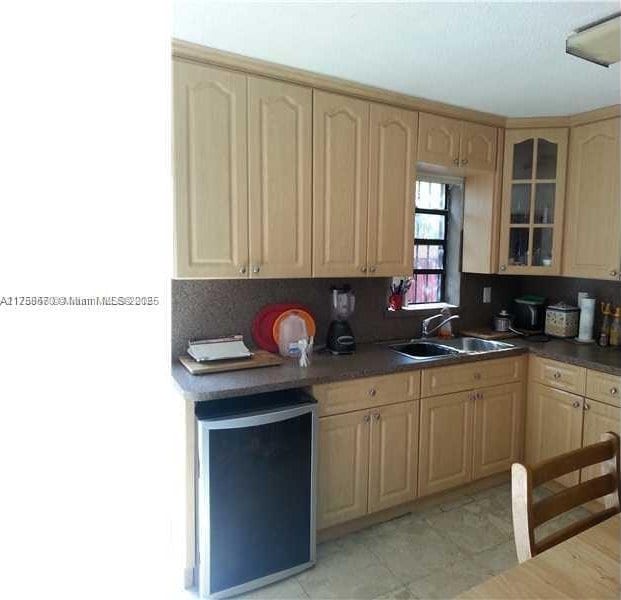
(211, 308)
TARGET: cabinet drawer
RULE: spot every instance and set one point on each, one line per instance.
(457, 378)
(559, 375)
(347, 396)
(603, 387)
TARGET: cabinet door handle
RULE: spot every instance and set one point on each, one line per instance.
(363, 269)
(614, 391)
(242, 269)
(576, 404)
(587, 406)
(256, 268)
(503, 267)
(456, 161)
(613, 273)
(376, 416)
(557, 375)
(372, 392)
(479, 395)
(366, 418)
(464, 161)
(373, 269)
(477, 376)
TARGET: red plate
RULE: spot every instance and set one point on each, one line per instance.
(263, 324)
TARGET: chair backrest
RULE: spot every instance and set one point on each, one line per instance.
(527, 514)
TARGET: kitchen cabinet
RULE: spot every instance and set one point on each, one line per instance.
(498, 428)
(393, 135)
(211, 187)
(340, 185)
(598, 418)
(456, 378)
(445, 442)
(393, 455)
(357, 144)
(368, 445)
(592, 239)
(343, 467)
(482, 197)
(279, 178)
(242, 175)
(533, 197)
(456, 144)
(557, 374)
(553, 425)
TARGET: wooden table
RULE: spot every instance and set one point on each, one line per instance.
(584, 566)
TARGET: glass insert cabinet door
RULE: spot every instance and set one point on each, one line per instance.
(533, 195)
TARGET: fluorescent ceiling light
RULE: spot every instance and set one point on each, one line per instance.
(598, 42)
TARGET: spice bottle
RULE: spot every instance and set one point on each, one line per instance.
(604, 331)
(614, 338)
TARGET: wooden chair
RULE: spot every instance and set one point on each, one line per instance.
(527, 515)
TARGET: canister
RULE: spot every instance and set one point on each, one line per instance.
(562, 320)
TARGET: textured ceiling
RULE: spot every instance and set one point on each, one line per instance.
(505, 58)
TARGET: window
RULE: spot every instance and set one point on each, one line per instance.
(430, 236)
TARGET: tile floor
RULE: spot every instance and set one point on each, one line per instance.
(436, 552)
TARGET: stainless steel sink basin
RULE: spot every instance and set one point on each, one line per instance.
(424, 350)
(470, 345)
(430, 350)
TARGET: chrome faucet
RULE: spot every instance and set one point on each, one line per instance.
(427, 332)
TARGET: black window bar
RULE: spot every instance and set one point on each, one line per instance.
(434, 242)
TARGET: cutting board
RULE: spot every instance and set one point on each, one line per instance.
(488, 334)
(261, 358)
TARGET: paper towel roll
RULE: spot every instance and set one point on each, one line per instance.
(587, 315)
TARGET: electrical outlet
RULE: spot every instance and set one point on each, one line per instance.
(487, 295)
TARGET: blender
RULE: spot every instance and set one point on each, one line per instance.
(340, 338)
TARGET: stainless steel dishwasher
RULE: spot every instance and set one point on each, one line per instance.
(256, 492)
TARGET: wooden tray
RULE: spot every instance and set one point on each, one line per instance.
(261, 358)
(488, 334)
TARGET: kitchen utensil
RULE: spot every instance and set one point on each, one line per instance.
(503, 321)
(261, 358)
(311, 328)
(529, 313)
(340, 338)
(562, 320)
(263, 324)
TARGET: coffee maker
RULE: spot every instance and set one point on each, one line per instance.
(340, 338)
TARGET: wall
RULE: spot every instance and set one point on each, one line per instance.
(211, 308)
(202, 309)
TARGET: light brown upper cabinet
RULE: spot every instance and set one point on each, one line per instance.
(592, 240)
(355, 144)
(456, 144)
(242, 175)
(340, 185)
(393, 134)
(279, 178)
(211, 193)
(533, 195)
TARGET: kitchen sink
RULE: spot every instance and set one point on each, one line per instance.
(428, 350)
(470, 344)
(424, 350)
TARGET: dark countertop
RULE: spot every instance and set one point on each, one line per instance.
(590, 356)
(371, 360)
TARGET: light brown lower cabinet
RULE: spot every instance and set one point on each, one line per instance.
(367, 462)
(393, 456)
(553, 425)
(445, 442)
(498, 428)
(598, 418)
(343, 468)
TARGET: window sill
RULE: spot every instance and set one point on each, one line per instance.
(420, 310)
